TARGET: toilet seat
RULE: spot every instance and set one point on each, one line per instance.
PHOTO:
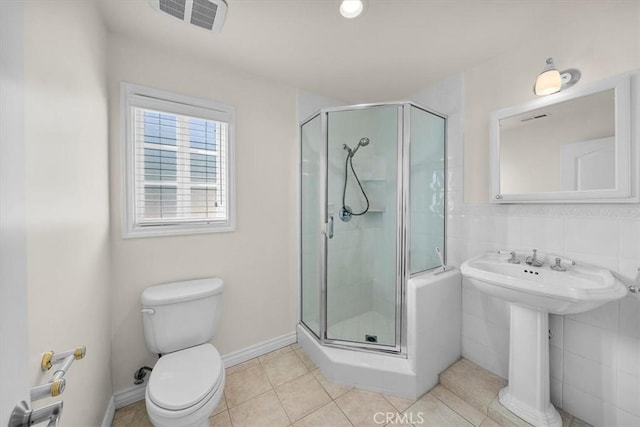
(185, 380)
(195, 416)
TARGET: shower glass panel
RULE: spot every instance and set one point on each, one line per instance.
(311, 238)
(361, 266)
(372, 212)
(427, 189)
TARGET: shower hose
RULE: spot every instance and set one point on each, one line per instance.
(349, 162)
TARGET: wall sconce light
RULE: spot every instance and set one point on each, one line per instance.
(352, 8)
(550, 80)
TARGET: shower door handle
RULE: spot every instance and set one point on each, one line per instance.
(329, 228)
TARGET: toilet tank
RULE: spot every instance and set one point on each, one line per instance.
(179, 315)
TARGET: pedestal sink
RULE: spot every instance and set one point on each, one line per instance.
(534, 292)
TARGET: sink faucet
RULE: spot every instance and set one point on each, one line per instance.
(514, 259)
(533, 259)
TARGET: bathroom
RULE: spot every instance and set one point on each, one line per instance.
(69, 277)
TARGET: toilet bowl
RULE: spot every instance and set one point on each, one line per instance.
(187, 382)
(185, 387)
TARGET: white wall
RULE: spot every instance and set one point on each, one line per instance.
(599, 49)
(257, 261)
(594, 356)
(67, 200)
(309, 103)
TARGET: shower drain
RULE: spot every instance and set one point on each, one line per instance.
(371, 338)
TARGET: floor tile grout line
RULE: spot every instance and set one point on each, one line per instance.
(226, 404)
(497, 398)
(312, 410)
(341, 410)
(323, 387)
(255, 397)
(310, 372)
(260, 394)
(286, 382)
(346, 417)
(449, 406)
(273, 387)
(392, 405)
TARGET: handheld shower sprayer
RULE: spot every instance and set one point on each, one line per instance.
(362, 143)
(346, 212)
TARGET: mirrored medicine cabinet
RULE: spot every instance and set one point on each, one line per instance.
(575, 146)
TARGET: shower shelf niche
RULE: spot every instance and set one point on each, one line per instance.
(375, 188)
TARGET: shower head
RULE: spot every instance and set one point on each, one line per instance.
(362, 143)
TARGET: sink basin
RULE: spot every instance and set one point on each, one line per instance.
(580, 288)
(534, 292)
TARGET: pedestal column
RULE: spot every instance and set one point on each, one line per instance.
(527, 394)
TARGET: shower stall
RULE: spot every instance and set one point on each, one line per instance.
(373, 209)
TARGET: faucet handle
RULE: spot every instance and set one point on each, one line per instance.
(514, 259)
(558, 265)
(635, 287)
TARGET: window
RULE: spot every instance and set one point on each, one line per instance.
(179, 160)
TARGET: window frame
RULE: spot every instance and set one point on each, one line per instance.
(137, 96)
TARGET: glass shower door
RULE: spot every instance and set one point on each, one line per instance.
(310, 227)
(362, 200)
(427, 189)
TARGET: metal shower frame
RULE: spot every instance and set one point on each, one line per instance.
(402, 231)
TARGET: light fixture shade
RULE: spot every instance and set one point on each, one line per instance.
(549, 80)
(351, 8)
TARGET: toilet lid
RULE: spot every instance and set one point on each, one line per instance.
(183, 378)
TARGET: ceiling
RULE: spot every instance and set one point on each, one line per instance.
(394, 49)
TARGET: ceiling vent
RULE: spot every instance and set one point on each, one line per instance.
(536, 117)
(207, 14)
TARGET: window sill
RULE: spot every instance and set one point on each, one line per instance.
(175, 230)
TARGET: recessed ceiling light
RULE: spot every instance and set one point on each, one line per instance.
(351, 8)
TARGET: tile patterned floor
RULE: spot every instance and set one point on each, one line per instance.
(284, 388)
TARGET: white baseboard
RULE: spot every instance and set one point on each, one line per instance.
(129, 395)
(259, 349)
(109, 413)
(134, 394)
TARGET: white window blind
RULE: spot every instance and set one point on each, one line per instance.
(179, 175)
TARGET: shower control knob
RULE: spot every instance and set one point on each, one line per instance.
(498, 196)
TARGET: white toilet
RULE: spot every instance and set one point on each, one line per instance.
(187, 382)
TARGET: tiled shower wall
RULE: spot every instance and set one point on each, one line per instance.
(595, 356)
(352, 274)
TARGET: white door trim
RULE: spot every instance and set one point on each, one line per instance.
(14, 343)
